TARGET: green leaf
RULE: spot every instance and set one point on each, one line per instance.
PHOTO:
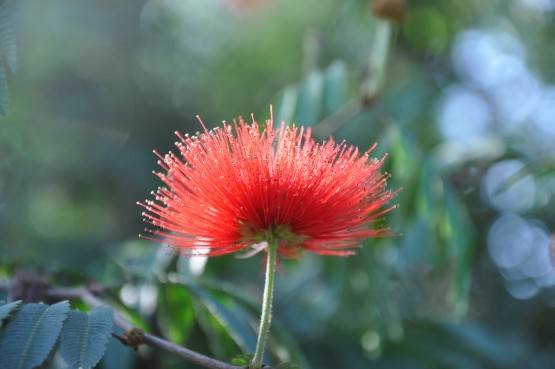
(335, 86)
(177, 317)
(430, 198)
(285, 109)
(309, 101)
(232, 316)
(318, 95)
(457, 229)
(30, 336)
(405, 153)
(242, 360)
(8, 43)
(281, 342)
(85, 336)
(7, 310)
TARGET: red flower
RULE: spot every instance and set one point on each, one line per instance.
(228, 193)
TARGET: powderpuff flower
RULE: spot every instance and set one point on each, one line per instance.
(240, 186)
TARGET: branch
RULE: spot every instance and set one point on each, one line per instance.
(83, 294)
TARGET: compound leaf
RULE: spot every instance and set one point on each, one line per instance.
(85, 336)
(7, 39)
(7, 310)
(29, 337)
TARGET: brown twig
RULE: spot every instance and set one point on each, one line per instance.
(93, 301)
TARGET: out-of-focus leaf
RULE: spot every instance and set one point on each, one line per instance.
(297, 298)
(7, 310)
(318, 95)
(84, 337)
(426, 264)
(335, 86)
(310, 99)
(451, 155)
(30, 336)
(242, 360)
(232, 316)
(281, 342)
(438, 346)
(285, 109)
(430, 194)
(441, 238)
(358, 126)
(312, 295)
(458, 232)
(403, 163)
(176, 315)
(405, 155)
(214, 332)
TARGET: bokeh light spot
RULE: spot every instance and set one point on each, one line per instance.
(507, 188)
(521, 250)
(463, 114)
(509, 241)
(486, 60)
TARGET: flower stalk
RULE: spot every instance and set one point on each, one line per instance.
(266, 316)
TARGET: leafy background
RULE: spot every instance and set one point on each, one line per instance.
(466, 114)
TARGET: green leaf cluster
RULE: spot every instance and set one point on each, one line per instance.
(30, 333)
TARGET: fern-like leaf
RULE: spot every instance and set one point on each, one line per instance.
(29, 337)
(85, 336)
(8, 43)
(7, 310)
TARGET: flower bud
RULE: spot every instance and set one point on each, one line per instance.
(393, 10)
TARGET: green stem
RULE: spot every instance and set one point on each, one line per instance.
(266, 317)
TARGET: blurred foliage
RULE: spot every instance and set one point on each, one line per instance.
(465, 113)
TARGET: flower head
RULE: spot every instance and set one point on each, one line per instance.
(242, 185)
